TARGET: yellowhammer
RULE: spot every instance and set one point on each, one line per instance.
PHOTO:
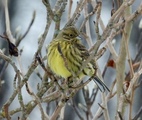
(66, 55)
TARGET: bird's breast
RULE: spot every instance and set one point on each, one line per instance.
(56, 61)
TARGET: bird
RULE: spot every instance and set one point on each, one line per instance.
(66, 54)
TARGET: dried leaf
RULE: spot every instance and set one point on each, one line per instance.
(111, 63)
(13, 50)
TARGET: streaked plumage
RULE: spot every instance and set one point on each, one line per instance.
(66, 55)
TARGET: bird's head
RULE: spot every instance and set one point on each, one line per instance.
(69, 32)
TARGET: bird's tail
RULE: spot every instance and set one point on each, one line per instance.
(101, 85)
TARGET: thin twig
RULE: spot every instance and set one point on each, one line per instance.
(28, 29)
(138, 114)
(70, 9)
(76, 14)
(8, 31)
(87, 26)
(75, 107)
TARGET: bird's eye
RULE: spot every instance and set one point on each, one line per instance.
(71, 35)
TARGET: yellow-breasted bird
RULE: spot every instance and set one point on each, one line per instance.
(66, 55)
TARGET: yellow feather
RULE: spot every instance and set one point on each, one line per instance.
(56, 62)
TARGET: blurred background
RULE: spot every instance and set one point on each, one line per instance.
(20, 12)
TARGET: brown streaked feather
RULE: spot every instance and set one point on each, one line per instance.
(84, 52)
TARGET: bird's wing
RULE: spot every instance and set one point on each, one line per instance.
(84, 52)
